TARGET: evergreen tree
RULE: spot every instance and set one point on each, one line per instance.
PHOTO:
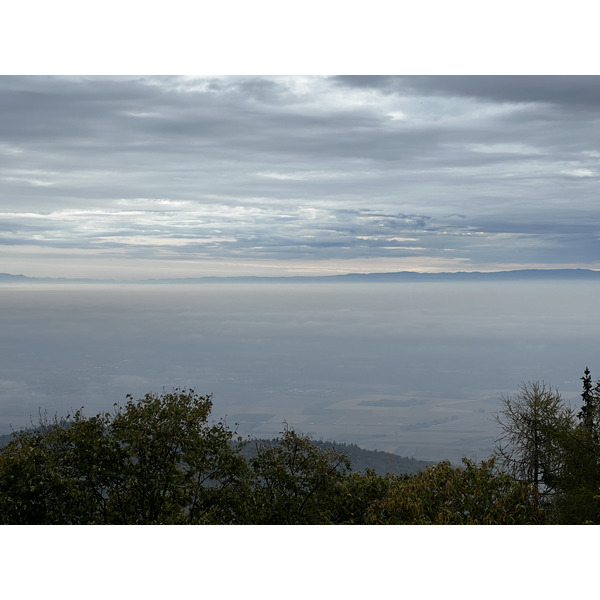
(579, 501)
(588, 413)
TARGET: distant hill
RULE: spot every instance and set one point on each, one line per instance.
(516, 275)
(400, 276)
(9, 278)
(381, 462)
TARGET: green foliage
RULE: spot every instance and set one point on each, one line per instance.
(295, 481)
(533, 424)
(543, 443)
(33, 489)
(579, 481)
(578, 497)
(360, 492)
(179, 468)
(159, 460)
(156, 460)
(446, 495)
(589, 415)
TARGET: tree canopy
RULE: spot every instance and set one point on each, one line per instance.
(162, 460)
(157, 460)
(447, 495)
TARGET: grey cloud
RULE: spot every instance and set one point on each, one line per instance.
(87, 116)
(576, 91)
(365, 81)
(314, 169)
(573, 90)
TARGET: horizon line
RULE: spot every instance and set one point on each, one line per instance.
(63, 279)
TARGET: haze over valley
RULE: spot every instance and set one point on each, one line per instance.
(411, 368)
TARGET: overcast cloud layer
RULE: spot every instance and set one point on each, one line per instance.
(131, 177)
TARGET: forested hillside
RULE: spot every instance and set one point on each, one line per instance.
(360, 459)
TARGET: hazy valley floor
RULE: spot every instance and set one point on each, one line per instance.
(410, 368)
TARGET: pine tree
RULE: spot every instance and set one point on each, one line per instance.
(579, 501)
(588, 413)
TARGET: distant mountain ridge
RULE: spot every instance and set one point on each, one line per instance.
(9, 278)
(398, 276)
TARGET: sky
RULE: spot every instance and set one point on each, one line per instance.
(134, 177)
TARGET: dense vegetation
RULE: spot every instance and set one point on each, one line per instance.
(160, 460)
(555, 449)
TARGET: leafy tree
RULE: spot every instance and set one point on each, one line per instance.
(446, 495)
(156, 460)
(33, 488)
(295, 481)
(360, 492)
(180, 468)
